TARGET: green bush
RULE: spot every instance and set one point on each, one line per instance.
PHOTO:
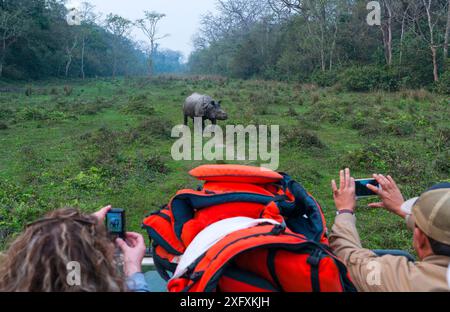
(369, 78)
(18, 205)
(443, 85)
(6, 113)
(325, 79)
(138, 105)
(303, 138)
(3, 126)
(401, 160)
(87, 181)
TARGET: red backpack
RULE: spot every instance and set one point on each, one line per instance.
(291, 255)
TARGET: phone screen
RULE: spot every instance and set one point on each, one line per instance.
(361, 187)
(115, 222)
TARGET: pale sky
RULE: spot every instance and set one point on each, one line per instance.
(182, 20)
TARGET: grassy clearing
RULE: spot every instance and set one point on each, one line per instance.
(108, 141)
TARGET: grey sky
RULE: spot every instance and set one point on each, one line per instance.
(182, 21)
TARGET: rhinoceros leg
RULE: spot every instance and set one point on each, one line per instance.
(214, 121)
(185, 120)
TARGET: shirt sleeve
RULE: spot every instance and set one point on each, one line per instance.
(137, 283)
(368, 271)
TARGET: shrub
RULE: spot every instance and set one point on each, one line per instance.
(309, 87)
(155, 127)
(156, 164)
(138, 106)
(3, 126)
(441, 162)
(300, 137)
(401, 160)
(29, 91)
(6, 113)
(32, 113)
(68, 90)
(325, 79)
(291, 112)
(400, 127)
(315, 98)
(101, 150)
(87, 181)
(263, 98)
(443, 85)
(18, 206)
(368, 78)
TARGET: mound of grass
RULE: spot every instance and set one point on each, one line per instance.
(300, 137)
(138, 105)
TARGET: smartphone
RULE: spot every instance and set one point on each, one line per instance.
(115, 223)
(362, 190)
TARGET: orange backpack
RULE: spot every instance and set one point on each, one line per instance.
(292, 255)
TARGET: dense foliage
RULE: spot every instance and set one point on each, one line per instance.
(37, 42)
(306, 40)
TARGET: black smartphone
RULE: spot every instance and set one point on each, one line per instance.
(115, 223)
(362, 190)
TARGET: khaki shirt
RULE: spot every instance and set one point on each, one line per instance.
(388, 273)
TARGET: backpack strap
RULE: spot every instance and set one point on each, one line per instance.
(303, 215)
(159, 228)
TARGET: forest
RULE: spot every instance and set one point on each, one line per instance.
(37, 42)
(328, 42)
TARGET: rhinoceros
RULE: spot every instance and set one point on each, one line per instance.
(203, 106)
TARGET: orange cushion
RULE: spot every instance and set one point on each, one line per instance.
(236, 174)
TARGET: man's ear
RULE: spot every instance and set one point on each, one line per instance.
(420, 238)
(422, 244)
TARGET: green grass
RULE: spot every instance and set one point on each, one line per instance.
(105, 142)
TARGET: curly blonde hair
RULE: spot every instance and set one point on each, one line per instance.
(37, 260)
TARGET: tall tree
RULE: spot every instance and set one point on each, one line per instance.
(88, 19)
(386, 29)
(70, 44)
(120, 27)
(149, 26)
(447, 35)
(322, 22)
(427, 15)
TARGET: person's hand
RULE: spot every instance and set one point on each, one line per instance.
(390, 195)
(133, 252)
(101, 214)
(345, 196)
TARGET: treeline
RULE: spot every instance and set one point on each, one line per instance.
(328, 42)
(39, 40)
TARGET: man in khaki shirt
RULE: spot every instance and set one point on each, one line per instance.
(428, 217)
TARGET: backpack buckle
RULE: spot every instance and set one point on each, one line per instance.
(278, 229)
(314, 258)
(196, 276)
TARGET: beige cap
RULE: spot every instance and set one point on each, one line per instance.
(431, 213)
